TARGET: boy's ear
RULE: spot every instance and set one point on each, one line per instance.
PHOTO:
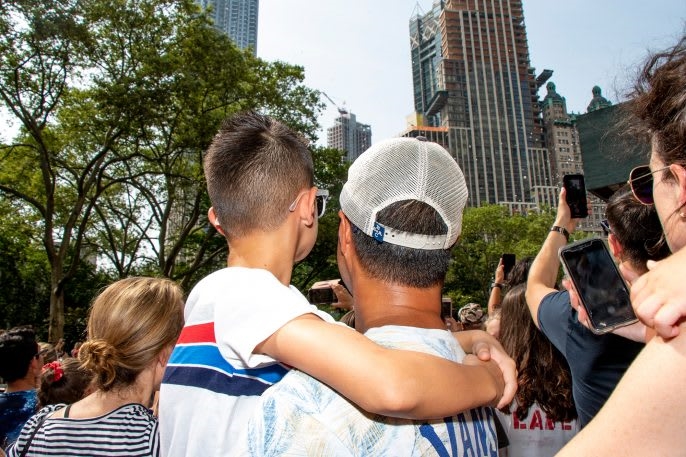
(212, 217)
(307, 207)
(615, 247)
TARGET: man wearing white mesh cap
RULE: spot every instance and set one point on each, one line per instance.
(401, 214)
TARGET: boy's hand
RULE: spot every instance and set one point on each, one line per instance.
(496, 374)
(486, 348)
(658, 296)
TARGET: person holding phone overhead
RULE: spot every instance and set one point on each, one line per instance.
(646, 413)
(597, 362)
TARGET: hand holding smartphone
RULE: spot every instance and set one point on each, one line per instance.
(575, 188)
(508, 263)
(600, 288)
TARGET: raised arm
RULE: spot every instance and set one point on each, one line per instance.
(394, 383)
(544, 269)
(646, 412)
(495, 298)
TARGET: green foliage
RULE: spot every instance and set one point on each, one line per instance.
(330, 173)
(117, 100)
(487, 233)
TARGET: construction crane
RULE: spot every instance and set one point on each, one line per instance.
(341, 111)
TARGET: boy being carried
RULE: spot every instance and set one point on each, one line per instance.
(245, 324)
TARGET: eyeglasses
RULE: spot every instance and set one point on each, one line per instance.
(605, 225)
(641, 182)
(321, 198)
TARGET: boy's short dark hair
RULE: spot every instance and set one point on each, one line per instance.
(398, 264)
(636, 227)
(17, 347)
(255, 168)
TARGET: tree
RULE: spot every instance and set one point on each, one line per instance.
(487, 233)
(117, 100)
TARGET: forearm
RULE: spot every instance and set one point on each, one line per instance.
(494, 299)
(390, 382)
(655, 380)
(546, 265)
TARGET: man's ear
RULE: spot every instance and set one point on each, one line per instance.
(615, 247)
(345, 233)
(212, 217)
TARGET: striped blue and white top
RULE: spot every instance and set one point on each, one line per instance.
(130, 430)
(213, 380)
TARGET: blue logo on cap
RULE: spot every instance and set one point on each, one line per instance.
(378, 232)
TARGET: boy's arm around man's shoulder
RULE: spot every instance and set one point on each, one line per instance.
(389, 382)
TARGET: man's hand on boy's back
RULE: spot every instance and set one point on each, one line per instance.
(491, 353)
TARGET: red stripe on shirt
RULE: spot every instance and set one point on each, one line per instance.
(201, 333)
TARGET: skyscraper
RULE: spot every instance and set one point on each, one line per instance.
(471, 74)
(236, 18)
(349, 135)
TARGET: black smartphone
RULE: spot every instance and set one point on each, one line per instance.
(508, 263)
(600, 287)
(446, 307)
(576, 195)
(321, 292)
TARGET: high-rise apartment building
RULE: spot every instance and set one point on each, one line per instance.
(349, 135)
(471, 75)
(562, 138)
(237, 19)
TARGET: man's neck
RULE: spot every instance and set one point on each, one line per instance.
(378, 304)
(27, 383)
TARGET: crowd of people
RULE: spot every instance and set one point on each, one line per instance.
(246, 365)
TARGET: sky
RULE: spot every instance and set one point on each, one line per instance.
(358, 51)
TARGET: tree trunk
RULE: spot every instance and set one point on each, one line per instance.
(56, 322)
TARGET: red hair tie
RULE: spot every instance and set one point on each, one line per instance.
(57, 371)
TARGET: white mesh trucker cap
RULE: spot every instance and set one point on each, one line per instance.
(405, 169)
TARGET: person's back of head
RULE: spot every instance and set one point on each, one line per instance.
(65, 381)
(637, 228)
(129, 325)
(18, 347)
(543, 375)
(405, 198)
(520, 272)
(255, 168)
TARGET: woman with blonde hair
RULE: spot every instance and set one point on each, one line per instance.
(132, 328)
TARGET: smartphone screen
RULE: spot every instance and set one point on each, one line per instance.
(576, 195)
(321, 295)
(600, 287)
(508, 263)
(446, 307)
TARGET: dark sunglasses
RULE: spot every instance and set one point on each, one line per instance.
(641, 182)
(605, 225)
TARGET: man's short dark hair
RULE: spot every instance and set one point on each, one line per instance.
(255, 168)
(636, 227)
(395, 264)
(17, 347)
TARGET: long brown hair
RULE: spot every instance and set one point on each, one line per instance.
(543, 373)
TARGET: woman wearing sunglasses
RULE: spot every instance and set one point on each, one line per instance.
(646, 412)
